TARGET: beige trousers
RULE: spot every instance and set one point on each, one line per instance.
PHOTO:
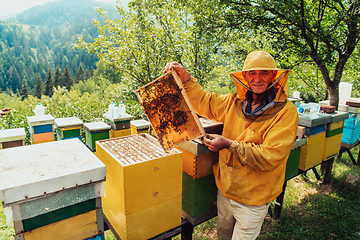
(238, 221)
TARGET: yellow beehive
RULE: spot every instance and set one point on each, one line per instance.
(312, 153)
(119, 133)
(143, 187)
(332, 146)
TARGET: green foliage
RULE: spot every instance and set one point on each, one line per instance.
(24, 91)
(67, 78)
(49, 84)
(140, 42)
(323, 33)
(38, 87)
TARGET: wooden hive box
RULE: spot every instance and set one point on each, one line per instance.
(292, 164)
(54, 190)
(95, 131)
(12, 138)
(143, 186)
(139, 126)
(312, 152)
(41, 128)
(170, 111)
(198, 198)
(198, 160)
(120, 123)
(68, 127)
(333, 136)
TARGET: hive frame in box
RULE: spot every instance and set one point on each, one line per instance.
(160, 104)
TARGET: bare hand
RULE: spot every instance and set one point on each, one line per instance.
(180, 70)
(216, 142)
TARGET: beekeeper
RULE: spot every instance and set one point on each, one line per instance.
(260, 127)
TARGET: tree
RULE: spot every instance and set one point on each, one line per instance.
(49, 84)
(67, 79)
(323, 32)
(140, 42)
(38, 87)
(79, 74)
(58, 77)
(24, 91)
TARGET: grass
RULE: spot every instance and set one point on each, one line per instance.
(310, 210)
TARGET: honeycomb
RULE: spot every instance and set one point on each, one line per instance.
(169, 111)
(132, 149)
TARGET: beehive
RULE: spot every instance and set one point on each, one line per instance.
(198, 197)
(41, 128)
(292, 164)
(119, 123)
(334, 131)
(169, 111)
(143, 187)
(95, 131)
(54, 190)
(351, 130)
(139, 126)
(12, 138)
(69, 127)
(312, 152)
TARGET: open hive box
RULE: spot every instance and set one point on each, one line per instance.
(170, 111)
(143, 187)
(53, 190)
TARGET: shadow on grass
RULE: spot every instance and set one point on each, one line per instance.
(321, 211)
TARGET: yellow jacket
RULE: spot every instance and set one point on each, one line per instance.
(252, 170)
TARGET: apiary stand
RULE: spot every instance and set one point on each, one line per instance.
(12, 138)
(54, 190)
(67, 128)
(41, 128)
(143, 186)
(120, 126)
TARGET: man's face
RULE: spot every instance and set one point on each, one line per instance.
(259, 80)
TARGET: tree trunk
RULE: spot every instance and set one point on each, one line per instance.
(334, 96)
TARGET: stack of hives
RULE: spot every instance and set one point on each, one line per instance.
(95, 131)
(312, 152)
(67, 128)
(351, 131)
(12, 138)
(334, 132)
(199, 191)
(41, 128)
(53, 190)
(143, 187)
(120, 126)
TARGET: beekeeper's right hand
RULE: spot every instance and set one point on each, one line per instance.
(180, 70)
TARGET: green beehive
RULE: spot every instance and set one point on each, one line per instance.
(198, 196)
(95, 131)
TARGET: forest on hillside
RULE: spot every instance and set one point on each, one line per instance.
(40, 39)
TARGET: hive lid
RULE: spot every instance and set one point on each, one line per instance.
(313, 122)
(140, 123)
(40, 120)
(97, 126)
(68, 122)
(338, 116)
(170, 111)
(12, 134)
(33, 171)
(118, 119)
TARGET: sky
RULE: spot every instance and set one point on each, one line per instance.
(9, 7)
